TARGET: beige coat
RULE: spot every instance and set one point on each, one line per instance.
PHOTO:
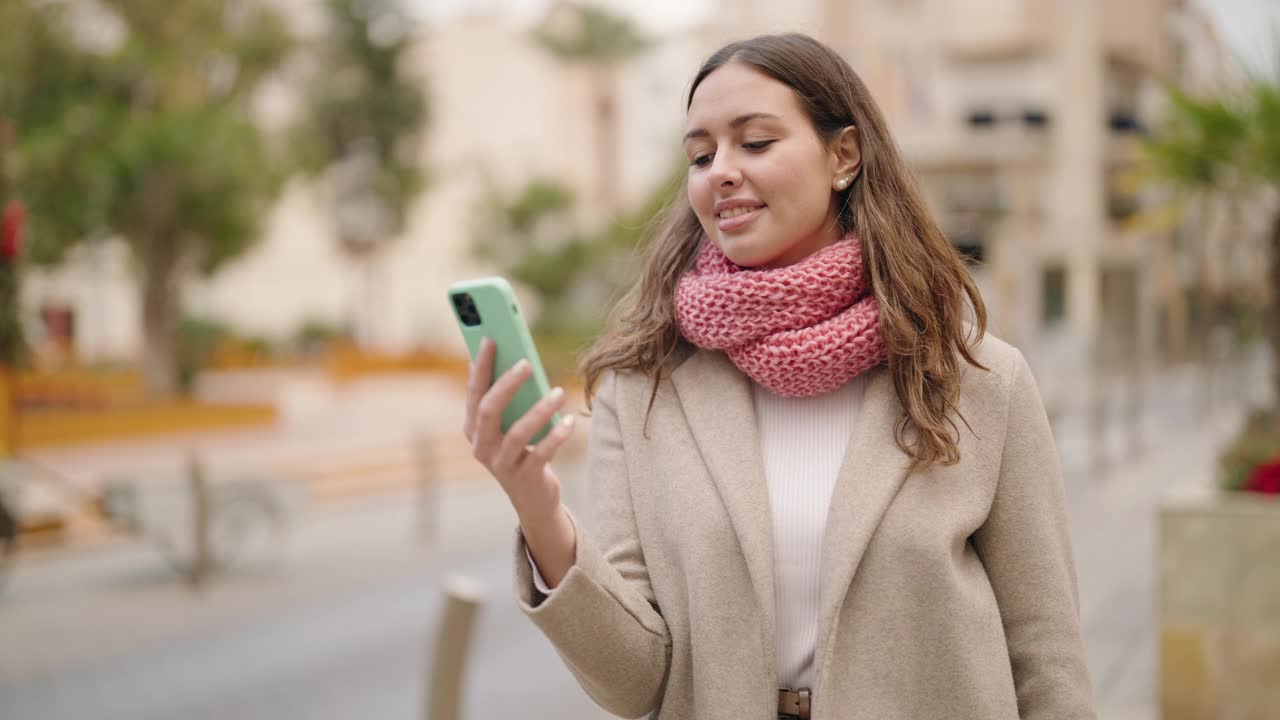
(949, 594)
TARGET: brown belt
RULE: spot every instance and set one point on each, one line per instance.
(795, 702)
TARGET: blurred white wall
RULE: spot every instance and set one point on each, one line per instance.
(504, 112)
(97, 282)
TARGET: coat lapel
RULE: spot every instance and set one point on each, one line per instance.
(871, 473)
(717, 400)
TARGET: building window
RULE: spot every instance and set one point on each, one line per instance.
(1122, 194)
(1121, 206)
(970, 246)
(982, 119)
(1035, 119)
(1125, 121)
(1053, 295)
(1163, 336)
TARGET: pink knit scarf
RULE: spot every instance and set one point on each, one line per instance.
(800, 330)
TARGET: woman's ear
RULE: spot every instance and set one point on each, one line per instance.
(846, 151)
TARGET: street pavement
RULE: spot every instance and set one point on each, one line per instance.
(340, 628)
(340, 624)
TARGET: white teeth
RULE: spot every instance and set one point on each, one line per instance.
(735, 212)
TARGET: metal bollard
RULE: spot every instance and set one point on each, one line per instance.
(428, 490)
(1135, 407)
(444, 696)
(202, 555)
(1098, 414)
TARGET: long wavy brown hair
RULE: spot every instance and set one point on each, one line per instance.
(918, 277)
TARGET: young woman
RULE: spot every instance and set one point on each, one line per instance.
(819, 488)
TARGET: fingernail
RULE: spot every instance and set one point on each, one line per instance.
(568, 422)
(522, 366)
(557, 392)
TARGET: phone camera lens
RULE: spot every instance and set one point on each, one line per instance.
(466, 307)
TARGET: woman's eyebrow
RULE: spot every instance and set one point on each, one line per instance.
(737, 122)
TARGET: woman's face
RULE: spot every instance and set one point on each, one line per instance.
(760, 179)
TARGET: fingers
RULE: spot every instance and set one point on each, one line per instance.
(488, 431)
(545, 450)
(517, 440)
(477, 384)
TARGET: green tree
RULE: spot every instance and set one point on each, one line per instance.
(530, 238)
(1226, 148)
(366, 117)
(1191, 152)
(133, 122)
(601, 42)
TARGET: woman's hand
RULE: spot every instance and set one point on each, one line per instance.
(523, 470)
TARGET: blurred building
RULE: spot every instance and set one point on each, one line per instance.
(505, 111)
(1022, 120)
(1020, 117)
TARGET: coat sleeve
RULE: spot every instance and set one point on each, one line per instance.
(603, 618)
(1025, 547)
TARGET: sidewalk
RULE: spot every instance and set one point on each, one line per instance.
(317, 421)
(119, 598)
(98, 606)
(336, 442)
(341, 630)
(1114, 511)
(1114, 532)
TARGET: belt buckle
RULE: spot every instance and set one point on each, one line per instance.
(795, 702)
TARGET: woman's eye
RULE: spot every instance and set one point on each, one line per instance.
(705, 159)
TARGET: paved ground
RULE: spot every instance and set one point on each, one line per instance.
(339, 627)
(1114, 529)
(341, 630)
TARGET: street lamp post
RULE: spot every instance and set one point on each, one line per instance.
(363, 219)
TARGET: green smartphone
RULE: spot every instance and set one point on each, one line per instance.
(487, 307)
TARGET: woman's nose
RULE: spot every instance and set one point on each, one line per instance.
(724, 172)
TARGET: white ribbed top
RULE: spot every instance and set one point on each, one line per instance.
(803, 442)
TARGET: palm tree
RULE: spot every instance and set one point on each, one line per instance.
(1225, 149)
(1195, 152)
(1264, 165)
(587, 36)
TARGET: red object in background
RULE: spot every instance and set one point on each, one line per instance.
(15, 216)
(1265, 478)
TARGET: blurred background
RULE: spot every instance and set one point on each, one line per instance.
(232, 477)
